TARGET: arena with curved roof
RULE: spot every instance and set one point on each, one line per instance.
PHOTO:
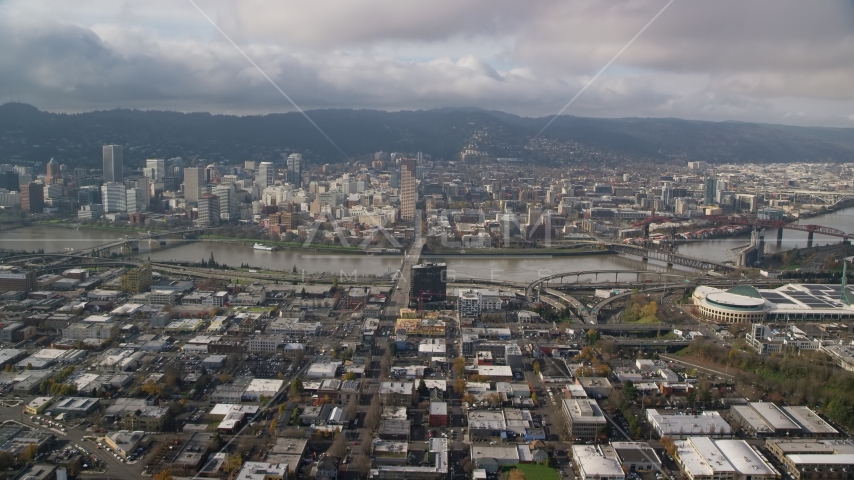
(793, 302)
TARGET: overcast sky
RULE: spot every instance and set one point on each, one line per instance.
(770, 61)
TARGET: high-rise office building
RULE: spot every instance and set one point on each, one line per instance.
(10, 180)
(144, 185)
(229, 208)
(114, 197)
(52, 172)
(194, 179)
(80, 174)
(175, 168)
(428, 283)
(155, 169)
(296, 165)
(710, 191)
(407, 189)
(667, 195)
(208, 210)
(113, 164)
(89, 195)
(32, 197)
(136, 200)
(266, 175)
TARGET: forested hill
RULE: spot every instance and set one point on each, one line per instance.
(30, 135)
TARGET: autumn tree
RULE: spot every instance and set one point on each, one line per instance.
(361, 464)
(152, 388)
(163, 475)
(669, 445)
(339, 446)
(232, 464)
(516, 474)
(372, 417)
(273, 423)
(460, 386)
(74, 466)
(460, 366)
(28, 454)
(536, 366)
(352, 408)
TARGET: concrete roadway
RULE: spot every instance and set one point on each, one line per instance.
(400, 296)
(73, 436)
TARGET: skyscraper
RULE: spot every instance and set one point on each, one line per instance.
(135, 201)
(52, 172)
(80, 176)
(144, 186)
(710, 191)
(32, 198)
(266, 175)
(155, 169)
(407, 189)
(296, 164)
(113, 164)
(194, 178)
(208, 210)
(88, 195)
(114, 197)
(428, 283)
(229, 208)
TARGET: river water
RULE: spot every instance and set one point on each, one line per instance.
(514, 269)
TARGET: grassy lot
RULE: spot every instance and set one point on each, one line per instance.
(533, 471)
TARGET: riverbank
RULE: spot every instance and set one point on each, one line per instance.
(297, 246)
(91, 226)
(516, 253)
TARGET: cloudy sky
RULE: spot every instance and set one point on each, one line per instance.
(772, 61)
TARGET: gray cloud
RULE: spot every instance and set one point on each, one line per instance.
(786, 62)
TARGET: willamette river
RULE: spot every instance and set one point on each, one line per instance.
(520, 269)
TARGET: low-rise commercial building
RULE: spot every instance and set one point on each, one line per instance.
(396, 393)
(702, 458)
(676, 425)
(592, 464)
(806, 459)
(125, 442)
(584, 418)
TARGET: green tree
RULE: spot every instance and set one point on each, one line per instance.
(630, 391)
(422, 389)
(297, 387)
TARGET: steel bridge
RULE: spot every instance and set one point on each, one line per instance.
(669, 257)
(780, 225)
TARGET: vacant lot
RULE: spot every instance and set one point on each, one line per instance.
(539, 472)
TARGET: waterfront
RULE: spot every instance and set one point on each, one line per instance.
(513, 269)
(715, 249)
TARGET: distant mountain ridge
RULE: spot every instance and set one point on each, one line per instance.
(30, 135)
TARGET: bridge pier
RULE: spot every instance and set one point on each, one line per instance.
(779, 237)
(810, 239)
